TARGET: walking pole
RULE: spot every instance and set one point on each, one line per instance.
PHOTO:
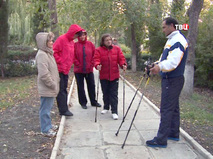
(96, 109)
(147, 81)
(129, 105)
(123, 94)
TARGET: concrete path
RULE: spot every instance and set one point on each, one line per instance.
(84, 139)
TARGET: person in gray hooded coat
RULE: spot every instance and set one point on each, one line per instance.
(48, 81)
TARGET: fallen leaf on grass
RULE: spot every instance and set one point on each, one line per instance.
(5, 150)
(44, 146)
(52, 112)
(40, 149)
(32, 133)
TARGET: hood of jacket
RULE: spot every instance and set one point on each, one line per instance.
(41, 40)
(74, 28)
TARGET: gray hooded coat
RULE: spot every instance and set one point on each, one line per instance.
(48, 77)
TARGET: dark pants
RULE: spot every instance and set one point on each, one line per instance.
(170, 113)
(110, 94)
(62, 95)
(90, 87)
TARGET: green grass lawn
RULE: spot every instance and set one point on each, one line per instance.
(14, 90)
(197, 109)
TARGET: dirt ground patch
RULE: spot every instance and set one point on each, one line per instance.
(20, 129)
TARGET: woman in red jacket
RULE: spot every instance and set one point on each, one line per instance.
(83, 69)
(106, 59)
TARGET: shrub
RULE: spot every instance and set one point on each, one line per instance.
(127, 53)
(19, 61)
(142, 59)
(19, 69)
(18, 52)
(125, 49)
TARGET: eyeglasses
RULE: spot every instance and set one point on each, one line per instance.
(107, 40)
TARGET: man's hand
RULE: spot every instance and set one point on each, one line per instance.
(99, 67)
(155, 69)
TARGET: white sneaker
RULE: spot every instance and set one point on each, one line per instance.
(54, 127)
(50, 133)
(115, 116)
(104, 111)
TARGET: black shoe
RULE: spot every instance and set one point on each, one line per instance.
(96, 105)
(84, 106)
(173, 138)
(153, 143)
(67, 113)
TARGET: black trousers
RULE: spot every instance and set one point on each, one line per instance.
(170, 113)
(110, 94)
(90, 87)
(62, 95)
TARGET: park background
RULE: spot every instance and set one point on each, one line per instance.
(137, 26)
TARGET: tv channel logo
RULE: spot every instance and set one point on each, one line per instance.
(184, 27)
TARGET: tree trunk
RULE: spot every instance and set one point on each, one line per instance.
(3, 33)
(1, 3)
(53, 17)
(134, 54)
(193, 13)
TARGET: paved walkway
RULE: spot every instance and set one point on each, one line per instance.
(84, 139)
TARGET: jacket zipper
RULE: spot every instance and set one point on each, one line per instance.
(109, 64)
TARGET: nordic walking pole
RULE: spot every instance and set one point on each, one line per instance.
(147, 81)
(123, 94)
(130, 105)
(96, 109)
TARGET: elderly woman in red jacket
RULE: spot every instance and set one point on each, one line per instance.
(83, 69)
(106, 59)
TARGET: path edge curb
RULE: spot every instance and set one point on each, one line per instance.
(61, 126)
(201, 150)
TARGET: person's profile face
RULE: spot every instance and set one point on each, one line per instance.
(167, 29)
(50, 43)
(108, 41)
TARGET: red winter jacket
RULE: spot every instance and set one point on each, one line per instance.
(64, 49)
(78, 56)
(109, 59)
